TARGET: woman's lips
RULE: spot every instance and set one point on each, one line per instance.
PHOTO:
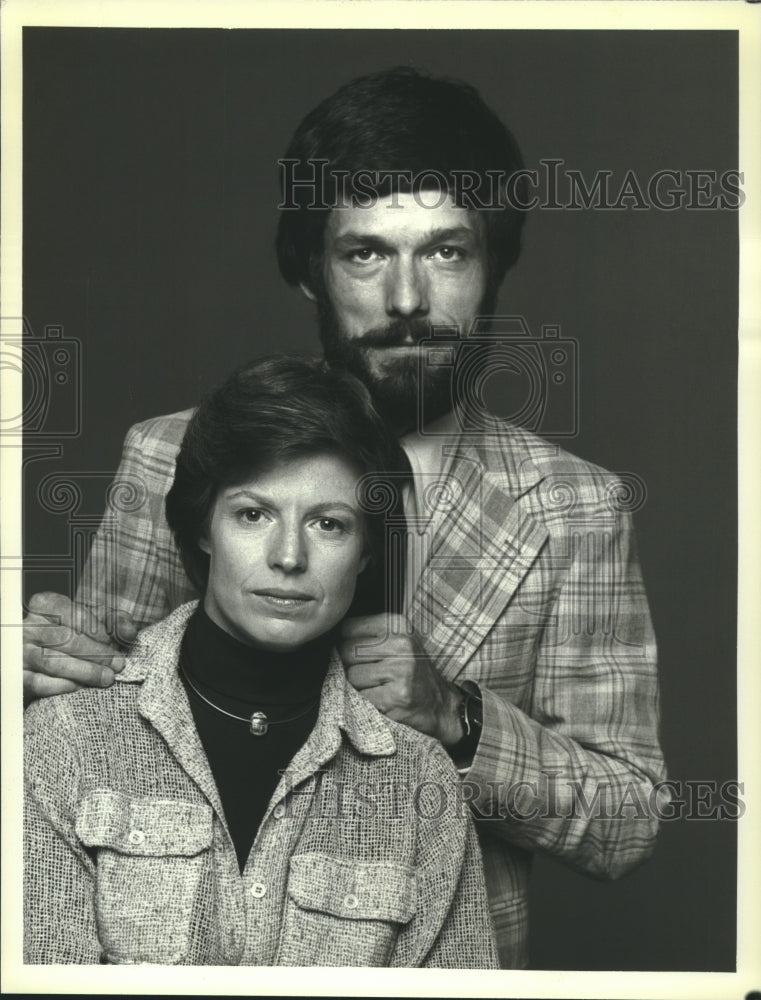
(284, 599)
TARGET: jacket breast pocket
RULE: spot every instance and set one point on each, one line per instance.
(343, 912)
(150, 856)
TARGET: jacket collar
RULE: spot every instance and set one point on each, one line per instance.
(482, 548)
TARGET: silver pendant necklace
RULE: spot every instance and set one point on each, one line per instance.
(258, 723)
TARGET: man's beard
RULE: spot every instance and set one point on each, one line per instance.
(407, 395)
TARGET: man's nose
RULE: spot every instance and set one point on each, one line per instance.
(406, 289)
(287, 550)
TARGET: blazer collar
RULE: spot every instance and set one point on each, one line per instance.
(480, 551)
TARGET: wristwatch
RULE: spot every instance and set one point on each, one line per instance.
(471, 712)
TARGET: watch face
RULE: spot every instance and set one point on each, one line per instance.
(471, 710)
(462, 712)
(474, 709)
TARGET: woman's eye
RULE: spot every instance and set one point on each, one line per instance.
(251, 515)
(329, 524)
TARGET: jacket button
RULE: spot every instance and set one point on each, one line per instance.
(351, 902)
(258, 889)
(136, 837)
(279, 811)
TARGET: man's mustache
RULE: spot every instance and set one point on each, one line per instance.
(399, 333)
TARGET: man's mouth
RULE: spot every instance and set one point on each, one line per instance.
(400, 334)
(406, 346)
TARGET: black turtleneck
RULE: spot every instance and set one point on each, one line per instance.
(242, 679)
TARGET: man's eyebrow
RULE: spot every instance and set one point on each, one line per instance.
(357, 238)
(452, 233)
(354, 239)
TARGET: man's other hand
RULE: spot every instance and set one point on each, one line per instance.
(67, 647)
(390, 669)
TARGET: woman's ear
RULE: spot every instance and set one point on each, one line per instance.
(364, 561)
(307, 291)
(203, 545)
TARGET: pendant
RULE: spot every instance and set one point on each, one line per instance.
(258, 724)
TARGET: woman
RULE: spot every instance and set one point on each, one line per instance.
(232, 799)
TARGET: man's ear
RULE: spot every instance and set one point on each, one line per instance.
(307, 291)
(364, 562)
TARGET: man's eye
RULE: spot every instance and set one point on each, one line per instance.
(448, 253)
(364, 255)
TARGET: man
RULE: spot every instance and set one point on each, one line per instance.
(525, 645)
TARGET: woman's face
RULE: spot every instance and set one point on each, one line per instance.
(285, 549)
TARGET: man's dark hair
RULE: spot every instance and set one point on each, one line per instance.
(399, 120)
(272, 410)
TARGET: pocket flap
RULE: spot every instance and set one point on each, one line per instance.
(139, 824)
(358, 890)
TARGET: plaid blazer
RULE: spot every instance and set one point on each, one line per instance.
(531, 591)
(365, 856)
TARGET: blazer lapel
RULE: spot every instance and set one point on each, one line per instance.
(479, 553)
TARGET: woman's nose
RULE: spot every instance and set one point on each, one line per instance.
(406, 289)
(288, 551)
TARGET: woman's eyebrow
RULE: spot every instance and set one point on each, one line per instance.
(330, 506)
(244, 492)
(320, 507)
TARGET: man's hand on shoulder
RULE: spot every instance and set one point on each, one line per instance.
(67, 647)
(389, 668)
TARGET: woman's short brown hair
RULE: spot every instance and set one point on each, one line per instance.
(273, 410)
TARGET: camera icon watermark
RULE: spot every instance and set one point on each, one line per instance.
(86, 559)
(584, 498)
(49, 404)
(541, 377)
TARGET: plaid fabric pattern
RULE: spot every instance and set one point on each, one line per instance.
(365, 857)
(134, 565)
(532, 592)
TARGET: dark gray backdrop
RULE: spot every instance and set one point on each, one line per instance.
(150, 193)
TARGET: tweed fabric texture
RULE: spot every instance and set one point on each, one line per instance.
(532, 591)
(366, 855)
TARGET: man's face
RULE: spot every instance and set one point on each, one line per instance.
(391, 272)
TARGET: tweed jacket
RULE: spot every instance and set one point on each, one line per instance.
(532, 591)
(366, 855)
